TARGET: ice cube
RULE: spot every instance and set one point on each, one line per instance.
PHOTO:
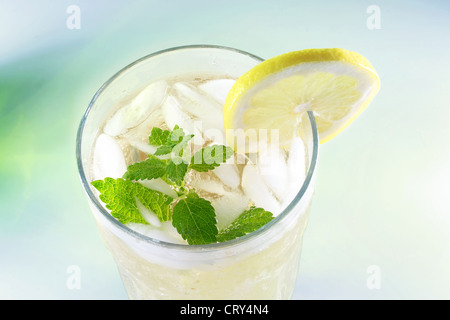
(200, 105)
(204, 182)
(171, 233)
(296, 165)
(134, 156)
(156, 233)
(142, 131)
(131, 154)
(213, 130)
(218, 88)
(138, 109)
(173, 115)
(198, 135)
(148, 214)
(256, 189)
(159, 185)
(296, 162)
(142, 146)
(228, 174)
(213, 135)
(273, 168)
(229, 207)
(109, 160)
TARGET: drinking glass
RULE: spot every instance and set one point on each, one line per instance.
(260, 265)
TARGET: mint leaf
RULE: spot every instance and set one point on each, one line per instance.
(120, 195)
(178, 149)
(210, 157)
(159, 137)
(169, 141)
(249, 221)
(162, 150)
(177, 135)
(159, 203)
(176, 172)
(150, 168)
(195, 219)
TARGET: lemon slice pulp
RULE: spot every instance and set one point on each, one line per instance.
(335, 84)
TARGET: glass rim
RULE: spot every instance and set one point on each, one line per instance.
(169, 245)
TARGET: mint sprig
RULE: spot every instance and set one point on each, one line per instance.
(193, 217)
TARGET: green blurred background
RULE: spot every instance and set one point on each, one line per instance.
(379, 227)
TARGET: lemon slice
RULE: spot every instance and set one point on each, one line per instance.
(336, 84)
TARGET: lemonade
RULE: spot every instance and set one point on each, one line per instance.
(180, 227)
(268, 179)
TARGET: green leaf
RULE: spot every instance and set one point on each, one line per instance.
(159, 137)
(178, 148)
(195, 219)
(169, 141)
(162, 150)
(150, 168)
(210, 157)
(176, 136)
(176, 172)
(120, 196)
(159, 203)
(249, 221)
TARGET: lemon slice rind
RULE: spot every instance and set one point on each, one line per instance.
(307, 64)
